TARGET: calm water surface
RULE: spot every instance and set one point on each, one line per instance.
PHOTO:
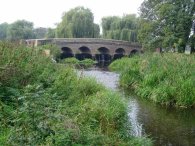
(166, 126)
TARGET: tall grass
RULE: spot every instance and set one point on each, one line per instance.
(44, 103)
(86, 63)
(167, 79)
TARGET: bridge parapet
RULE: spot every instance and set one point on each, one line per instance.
(91, 46)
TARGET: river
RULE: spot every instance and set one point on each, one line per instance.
(166, 126)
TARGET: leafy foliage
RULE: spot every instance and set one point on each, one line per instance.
(44, 103)
(3, 31)
(86, 63)
(166, 23)
(78, 23)
(20, 29)
(124, 28)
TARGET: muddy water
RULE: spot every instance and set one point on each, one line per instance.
(166, 126)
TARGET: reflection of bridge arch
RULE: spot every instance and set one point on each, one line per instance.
(66, 53)
(104, 56)
(85, 53)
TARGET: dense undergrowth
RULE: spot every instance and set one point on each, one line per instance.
(44, 103)
(168, 78)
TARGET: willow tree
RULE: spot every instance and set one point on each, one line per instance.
(120, 28)
(77, 23)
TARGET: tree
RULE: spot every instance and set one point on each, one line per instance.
(3, 31)
(120, 28)
(20, 29)
(166, 23)
(51, 33)
(77, 23)
(40, 32)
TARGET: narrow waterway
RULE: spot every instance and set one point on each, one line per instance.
(166, 126)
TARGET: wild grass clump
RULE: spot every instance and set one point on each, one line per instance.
(167, 79)
(86, 63)
(44, 103)
(71, 61)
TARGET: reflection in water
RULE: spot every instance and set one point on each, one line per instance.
(136, 127)
(166, 126)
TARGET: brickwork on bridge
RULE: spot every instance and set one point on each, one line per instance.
(94, 45)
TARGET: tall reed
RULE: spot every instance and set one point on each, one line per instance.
(167, 79)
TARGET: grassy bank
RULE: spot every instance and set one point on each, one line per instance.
(168, 79)
(44, 103)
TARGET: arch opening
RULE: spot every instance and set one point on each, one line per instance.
(84, 49)
(85, 53)
(66, 53)
(104, 50)
(119, 53)
(103, 58)
(133, 52)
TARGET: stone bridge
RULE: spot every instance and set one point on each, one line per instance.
(81, 48)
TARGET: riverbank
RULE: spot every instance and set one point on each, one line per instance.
(44, 103)
(167, 79)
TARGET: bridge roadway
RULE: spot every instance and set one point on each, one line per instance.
(100, 49)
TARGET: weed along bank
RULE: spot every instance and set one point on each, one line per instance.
(164, 87)
(45, 103)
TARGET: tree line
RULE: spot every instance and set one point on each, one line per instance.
(162, 24)
(20, 29)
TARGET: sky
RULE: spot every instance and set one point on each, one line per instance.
(47, 13)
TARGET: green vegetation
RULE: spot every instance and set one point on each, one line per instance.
(166, 23)
(125, 28)
(168, 79)
(44, 103)
(86, 63)
(78, 23)
(21, 29)
(71, 61)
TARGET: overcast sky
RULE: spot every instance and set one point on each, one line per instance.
(45, 13)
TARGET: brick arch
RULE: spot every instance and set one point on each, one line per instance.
(84, 49)
(67, 50)
(103, 50)
(120, 51)
(66, 53)
(85, 53)
(133, 52)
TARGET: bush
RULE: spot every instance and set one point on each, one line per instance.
(86, 63)
(71, 61)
